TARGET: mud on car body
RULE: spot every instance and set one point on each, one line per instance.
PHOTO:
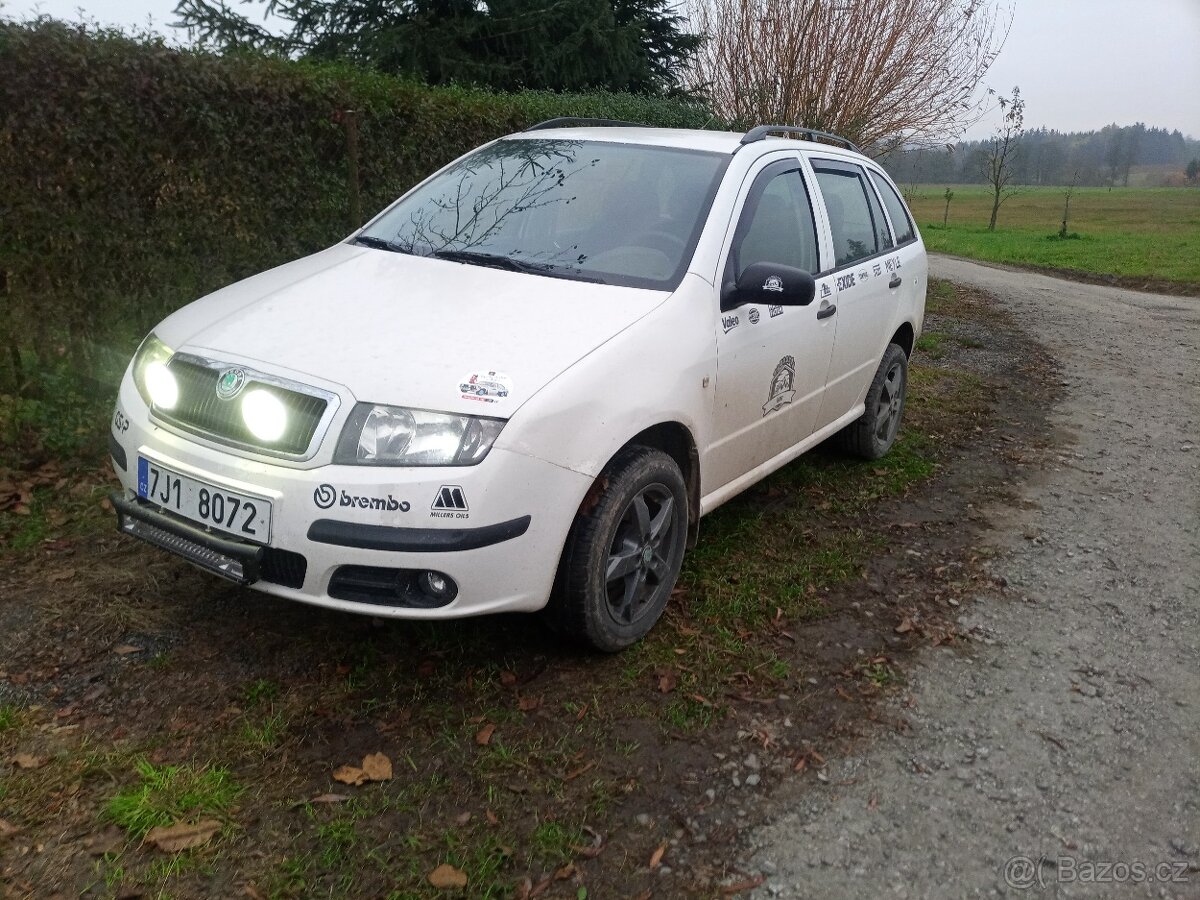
(522, 385)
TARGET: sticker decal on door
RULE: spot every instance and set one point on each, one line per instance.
(782, 382)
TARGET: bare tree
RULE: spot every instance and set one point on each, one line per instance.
(999, 159)
(881, 72)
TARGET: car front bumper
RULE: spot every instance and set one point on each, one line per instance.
(328, 548)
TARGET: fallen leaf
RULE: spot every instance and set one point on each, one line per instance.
(330, 798)
(582, 712)
(657, 855)
(7, 828)
(28, 761)
(483, 737)
(445, 877)
(252, 892)
(905, 626)
(492, 818)
(528, 704)
(463, 818)
(587, 852)
(174, 838)
(565, 872)
(126, 649)
(377, 767)
(350, 775)
(667, 679)
(507, 678)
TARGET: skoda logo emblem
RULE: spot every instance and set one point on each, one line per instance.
(230, 384)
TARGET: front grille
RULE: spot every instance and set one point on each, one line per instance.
(200, 411)
(283, 567)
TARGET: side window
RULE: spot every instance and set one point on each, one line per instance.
(901, 220)
(777, 224)
(849, 202)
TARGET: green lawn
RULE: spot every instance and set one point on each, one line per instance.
(1151, 233)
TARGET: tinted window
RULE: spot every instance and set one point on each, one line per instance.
(883, 236)
(619, 213)
(777, 225)
(901, 221)
(855, 231)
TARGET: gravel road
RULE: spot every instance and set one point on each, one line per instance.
(1070, 735)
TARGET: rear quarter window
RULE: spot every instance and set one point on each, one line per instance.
(901, 221)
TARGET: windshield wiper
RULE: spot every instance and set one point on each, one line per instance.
(378, 243)
(500, 261)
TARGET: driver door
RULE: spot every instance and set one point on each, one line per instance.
(772, 361)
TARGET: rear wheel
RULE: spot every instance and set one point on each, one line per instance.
(872, 435)
(623, 555)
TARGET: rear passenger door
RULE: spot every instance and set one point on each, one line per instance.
(861, 240)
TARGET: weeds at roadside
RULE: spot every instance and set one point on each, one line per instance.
(170, 794)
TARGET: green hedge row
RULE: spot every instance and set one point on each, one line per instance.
(135, 177)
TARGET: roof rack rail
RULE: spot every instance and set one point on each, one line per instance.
(574, 121)
(760, 132)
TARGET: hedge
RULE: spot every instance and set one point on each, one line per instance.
(135, 177)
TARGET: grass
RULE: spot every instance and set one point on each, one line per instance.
(170, 794)
(1151, 233)
(11, 717)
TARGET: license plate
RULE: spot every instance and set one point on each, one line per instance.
(248, 518)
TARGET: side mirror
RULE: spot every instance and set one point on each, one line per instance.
(770, 284)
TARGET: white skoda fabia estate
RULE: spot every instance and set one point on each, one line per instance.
(523, 384)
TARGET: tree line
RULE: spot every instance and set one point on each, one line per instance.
(1047, 156)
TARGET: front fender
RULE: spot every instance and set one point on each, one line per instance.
(660, 369)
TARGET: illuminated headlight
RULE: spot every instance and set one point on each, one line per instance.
(265, 415)
(151, 376)
(394, 436)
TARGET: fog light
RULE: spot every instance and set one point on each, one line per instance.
(437, 586)
(161, 386)
(265, 415)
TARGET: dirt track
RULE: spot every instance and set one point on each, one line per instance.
(1071, 732)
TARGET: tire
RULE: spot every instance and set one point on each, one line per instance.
(872, 435)
(637, 531)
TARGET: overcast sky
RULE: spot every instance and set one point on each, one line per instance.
(1080, 64)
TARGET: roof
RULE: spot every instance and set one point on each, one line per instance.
(689, 138)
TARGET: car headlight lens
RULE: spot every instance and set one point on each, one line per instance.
(376, 435)
(151, 376)
(265, 415)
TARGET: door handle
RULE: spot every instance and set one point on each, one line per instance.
(826, 310)
(895, 282)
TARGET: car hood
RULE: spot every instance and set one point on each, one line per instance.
(408, 330)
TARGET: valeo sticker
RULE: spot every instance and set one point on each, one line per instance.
(485, 386)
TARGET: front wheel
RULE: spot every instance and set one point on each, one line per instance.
(872, 435)
(623, 555)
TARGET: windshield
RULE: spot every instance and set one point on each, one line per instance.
(617, 213)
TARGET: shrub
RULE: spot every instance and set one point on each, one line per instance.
(136, 177)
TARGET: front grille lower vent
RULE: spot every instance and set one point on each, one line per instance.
(200, 411)
(283, 567)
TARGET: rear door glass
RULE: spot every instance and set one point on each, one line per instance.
(855, 220)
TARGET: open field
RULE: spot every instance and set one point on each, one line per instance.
(136, 693)
(1140, 235)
